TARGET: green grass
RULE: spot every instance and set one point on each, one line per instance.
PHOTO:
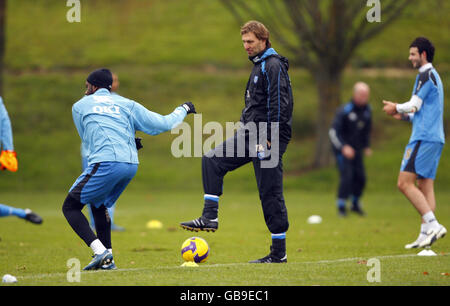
(332, 253)
(167, 52)
(182, 32)
(48, 145)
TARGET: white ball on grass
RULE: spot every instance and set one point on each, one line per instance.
(314, 219)
(8, 278)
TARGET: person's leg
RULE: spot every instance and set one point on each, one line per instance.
(111, 211)
(6, 211)
(25, 214)
(215, 165)
(72, 212)
(91, 216)
(345, 167)
(420, 163)
(270, 187)
(406, 183)
(103, 228)
(408, 175)
(423, 199)
(426, 186)
(121, 175)
(114, 226)
(86, 185)
(92, 186)
(419, 166)
(84, 165)
(359, 182)
(103, 225)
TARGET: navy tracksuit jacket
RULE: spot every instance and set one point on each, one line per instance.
(268, 99)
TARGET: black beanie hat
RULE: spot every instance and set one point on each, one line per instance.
(101, 78)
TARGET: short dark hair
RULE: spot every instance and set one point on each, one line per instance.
(423, 44)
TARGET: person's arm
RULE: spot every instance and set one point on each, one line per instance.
(425, 85)
(408, 117)
(277, 83)
(412, 106)
(336, 131)
(8, 157)
(367, 134)
(153, 123)
(336, 136)
(367, 130)
(6, 136)
(77, 120)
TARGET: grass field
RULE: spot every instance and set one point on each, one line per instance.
(162, 64)
(332, 253)
(168, 52)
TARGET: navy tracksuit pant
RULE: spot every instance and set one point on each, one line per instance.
(352, 175)
(227, 157)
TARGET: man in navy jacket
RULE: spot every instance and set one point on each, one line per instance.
(350, 138)
(266, 121)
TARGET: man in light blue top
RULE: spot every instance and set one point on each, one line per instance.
(421, 158)
(107, 124)
(5, 128)
(8, 161)
(84, 163)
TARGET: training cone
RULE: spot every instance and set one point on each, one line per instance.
(427, 252)
(154, 224)
(189, 264)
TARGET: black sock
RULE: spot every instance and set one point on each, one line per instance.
(102, 225)
(355, 201)
(279, 247)
(211, 208)
(72, 211)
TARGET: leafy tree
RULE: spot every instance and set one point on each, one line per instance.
(321, 36)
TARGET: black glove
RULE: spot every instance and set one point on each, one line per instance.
(138, 143)
(189, 107)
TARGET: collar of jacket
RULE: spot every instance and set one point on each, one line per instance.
(425, 67)
(102, 91)
(364, 107)
(263, 55)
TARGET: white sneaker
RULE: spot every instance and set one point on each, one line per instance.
(442, 232)
(433, 234)
(415, 244)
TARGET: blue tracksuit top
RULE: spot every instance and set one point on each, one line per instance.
(6, 137)
(107, 124)
(428, 122)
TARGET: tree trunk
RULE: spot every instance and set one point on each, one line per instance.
(329, 89)
(2, 40)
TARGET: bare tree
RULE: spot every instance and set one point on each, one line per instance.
(321, 36)
(2, 40)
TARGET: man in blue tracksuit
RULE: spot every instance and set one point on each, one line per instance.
(422, 154)
(350, 139)
(107, 124)
(8, 161)
(84, 163)
(268, 106)
(6, 137)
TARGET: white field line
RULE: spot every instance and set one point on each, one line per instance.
(330, 261)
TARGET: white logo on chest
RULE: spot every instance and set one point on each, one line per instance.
(352, 116)
(106, 109)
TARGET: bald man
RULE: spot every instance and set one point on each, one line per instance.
(350, 139)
